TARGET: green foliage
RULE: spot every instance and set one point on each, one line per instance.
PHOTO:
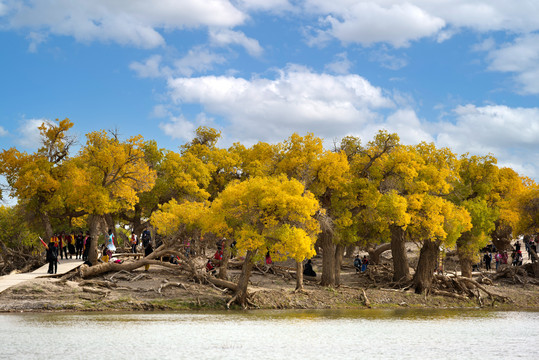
(16, 234)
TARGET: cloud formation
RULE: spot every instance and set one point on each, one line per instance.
(297, 99)
(127, 22)
(28, 132)
(332, 106)
(521, 57)
(510, 134)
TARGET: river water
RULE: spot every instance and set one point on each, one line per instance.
(347, 334)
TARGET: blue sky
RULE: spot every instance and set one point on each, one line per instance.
(460, 73)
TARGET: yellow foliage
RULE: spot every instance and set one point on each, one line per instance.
(270, 213)
(114, 173)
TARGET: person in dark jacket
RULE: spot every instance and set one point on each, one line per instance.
(357, 263)
(308, 270)
(147, 243)
(52, 258)
(86, 247)
(79, 245)
(487, 259)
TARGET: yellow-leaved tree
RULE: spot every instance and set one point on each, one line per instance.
(108, 178)
(267, 214)
(263, 214)
(34, 179)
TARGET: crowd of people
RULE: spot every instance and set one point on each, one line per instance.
(60, 244)
(68, 245)
(502, 257)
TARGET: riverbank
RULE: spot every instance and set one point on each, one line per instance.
(162, 289)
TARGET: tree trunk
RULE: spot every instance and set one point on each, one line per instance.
(45, 220)
(350, 249)
(339, 250)
(241, 294)
(299, 275)
(328, 258)
(401, 270)
(502, 244)
(374, 254)
(426, 266)
(93, 223)
(465, 257)
(223, 269)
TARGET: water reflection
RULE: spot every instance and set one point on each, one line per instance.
(350, 334)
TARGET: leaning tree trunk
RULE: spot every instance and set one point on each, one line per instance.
(241, 293)
(426, 266)
(374, 254)
(401, 270)
(328, 258)
(339, 250)
(299, 275)
(465, 256)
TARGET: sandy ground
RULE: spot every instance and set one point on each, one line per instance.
(163, 289)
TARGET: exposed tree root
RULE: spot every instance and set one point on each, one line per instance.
(365, 299)
(170, 284)
(463, 288)
(105, 284)
(517, 274)
(95, 291)
(231, 301)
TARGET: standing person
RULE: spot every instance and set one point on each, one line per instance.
(147, 244)
(86, 246)
(357, 263)
(498, 258)
(62, 239)
(519, 258)
(110, 242)
(308, 269)
(533, 250)
(79, 244)
(364, 263)
(71, 245)
(487, 258)
(52, 258)
(504, 257)
(134, 242)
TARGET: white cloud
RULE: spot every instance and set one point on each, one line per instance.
(197, 60)
(510, 134)
(224, 37)
(397, 24)
(151, 68)
(297, 100)
(265, 5)
(485, 15)
(178, 127)
(386, 59)
(35, 39)
(522, 58)
(127, 22)
(341, 65)
(29, 133)
(3, 132)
